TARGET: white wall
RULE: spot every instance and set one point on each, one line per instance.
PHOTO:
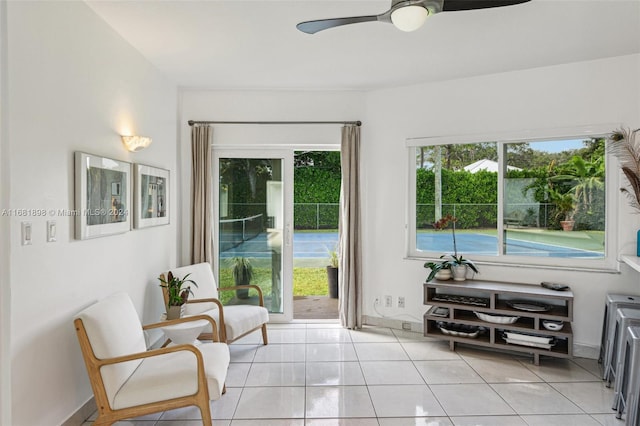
(580, 94)
(5, 294)
(588, 93)
(262, 106)
(74, 85)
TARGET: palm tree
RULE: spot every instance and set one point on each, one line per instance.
(586, 179)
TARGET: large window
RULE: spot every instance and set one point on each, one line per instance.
(534, 201)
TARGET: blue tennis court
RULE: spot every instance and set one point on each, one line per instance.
(306, 245)
(316, 245)
(481, 244)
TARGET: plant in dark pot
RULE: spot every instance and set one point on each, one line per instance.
(177, 293)
(332, 274)
(242, 272)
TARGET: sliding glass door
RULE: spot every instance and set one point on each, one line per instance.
(254, 231)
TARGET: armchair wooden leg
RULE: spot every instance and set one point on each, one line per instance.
(205, 413)
(100, 421)
(264, 334)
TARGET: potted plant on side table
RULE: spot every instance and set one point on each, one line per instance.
(176, 293)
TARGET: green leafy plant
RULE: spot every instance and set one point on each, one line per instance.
(176, 290)
(437, 267)
(241, 270)
(565, 205)
(333, 258)
(459, 260)
(448, 264)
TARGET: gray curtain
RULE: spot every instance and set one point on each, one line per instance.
(350, 249)
(201, 194)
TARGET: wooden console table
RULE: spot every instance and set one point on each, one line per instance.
(498, 297)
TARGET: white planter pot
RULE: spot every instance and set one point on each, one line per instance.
(459, 272)
(443, 275)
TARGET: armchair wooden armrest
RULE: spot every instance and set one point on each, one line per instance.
(222, 332)
(214, 335)
(154, 352)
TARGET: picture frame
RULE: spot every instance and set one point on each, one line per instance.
(151, 196)
(102, 196)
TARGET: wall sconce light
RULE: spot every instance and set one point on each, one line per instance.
(136, 143)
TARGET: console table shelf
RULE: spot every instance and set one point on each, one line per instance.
(495, 297)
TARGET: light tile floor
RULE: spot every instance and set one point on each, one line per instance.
(318, 374)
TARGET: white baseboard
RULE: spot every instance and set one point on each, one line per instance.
(582, 350)
(81, 414)
(393, 323)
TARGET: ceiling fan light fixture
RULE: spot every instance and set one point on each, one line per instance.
(409, 18)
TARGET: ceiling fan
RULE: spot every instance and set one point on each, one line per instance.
(406, 15)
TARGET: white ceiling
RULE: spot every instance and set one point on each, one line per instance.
(255, 45)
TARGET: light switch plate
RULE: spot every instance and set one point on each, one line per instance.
(51, 231)
(26, 233)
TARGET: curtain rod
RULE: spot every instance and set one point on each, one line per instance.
(356, 123)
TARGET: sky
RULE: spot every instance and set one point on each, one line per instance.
(557, 145)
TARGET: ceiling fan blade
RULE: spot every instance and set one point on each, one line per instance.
(312, 27)
(453, 5)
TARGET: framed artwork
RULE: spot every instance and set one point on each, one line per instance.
(102, 196)
(151, 196)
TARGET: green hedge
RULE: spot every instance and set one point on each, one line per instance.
(315, 186)
(470, 197)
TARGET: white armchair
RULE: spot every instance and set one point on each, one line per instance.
(234, 321)
(129, 381)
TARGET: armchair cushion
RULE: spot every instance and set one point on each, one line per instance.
(237, 320)
(174, 375)
(114, 329)
(202, 275)
(240, 318)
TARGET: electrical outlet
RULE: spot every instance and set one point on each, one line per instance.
(400, 301)
(377, 301)
(406, 326)
(388, 301)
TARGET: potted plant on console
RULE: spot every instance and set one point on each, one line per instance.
(176, 293)
(439, 270)
(457, 264)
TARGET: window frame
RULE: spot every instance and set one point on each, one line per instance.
(612, 182)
